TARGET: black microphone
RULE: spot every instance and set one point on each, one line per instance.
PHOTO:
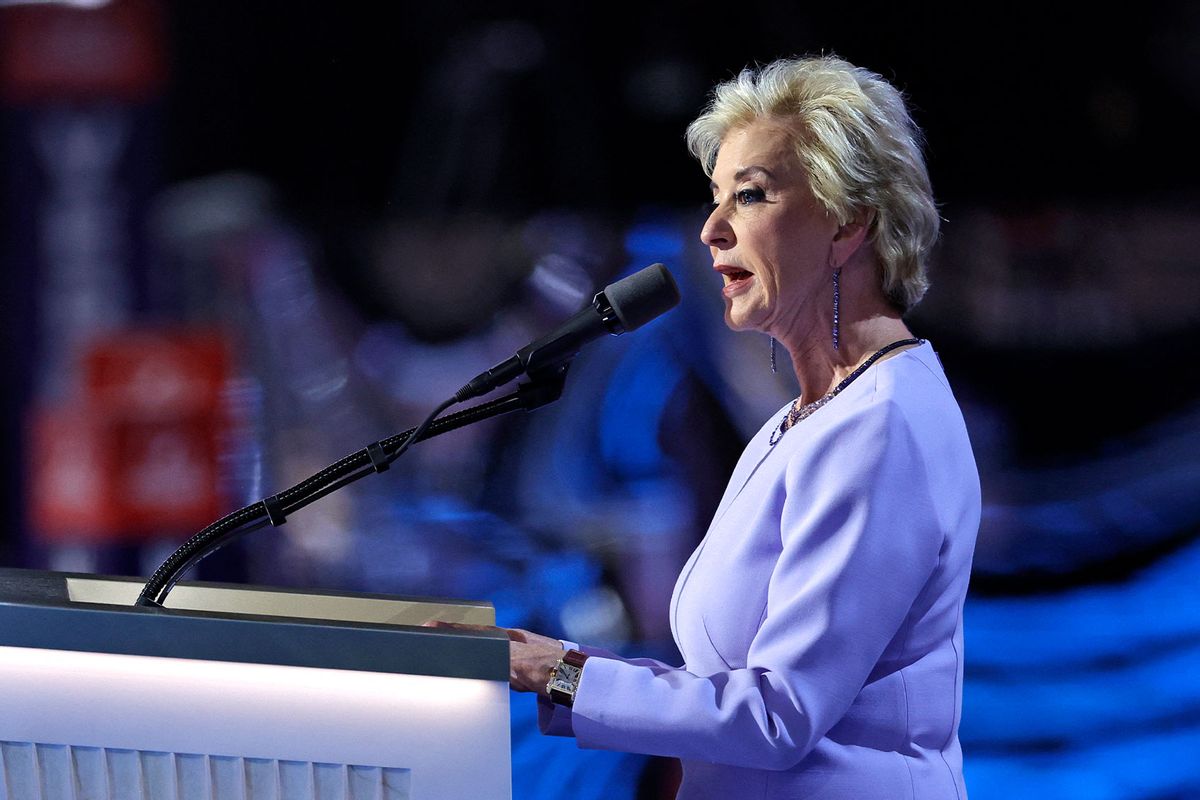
(623, 306)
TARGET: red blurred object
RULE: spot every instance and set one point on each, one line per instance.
(138, 455)
(54, 52)
(68, 487)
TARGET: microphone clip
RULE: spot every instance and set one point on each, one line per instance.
(543, 387)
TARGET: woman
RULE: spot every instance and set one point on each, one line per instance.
(821, 617)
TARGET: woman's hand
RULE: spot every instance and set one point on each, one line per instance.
(531, 656)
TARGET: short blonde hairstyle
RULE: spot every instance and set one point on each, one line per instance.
(859, 146)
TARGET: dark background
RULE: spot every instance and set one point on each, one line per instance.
(1021, 104)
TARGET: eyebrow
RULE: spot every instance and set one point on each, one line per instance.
(743, 172)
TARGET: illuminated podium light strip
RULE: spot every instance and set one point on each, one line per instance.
(34, 771)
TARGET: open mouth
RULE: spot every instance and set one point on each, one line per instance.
(736, 278)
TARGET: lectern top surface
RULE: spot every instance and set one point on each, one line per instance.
(338, 630)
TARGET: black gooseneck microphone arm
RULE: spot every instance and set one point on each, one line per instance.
(544, 388)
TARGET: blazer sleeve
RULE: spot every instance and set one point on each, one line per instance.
(859, 538)
(555, 720)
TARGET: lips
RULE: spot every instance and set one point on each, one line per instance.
(736, 278)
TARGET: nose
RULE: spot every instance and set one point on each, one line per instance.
(716, 231)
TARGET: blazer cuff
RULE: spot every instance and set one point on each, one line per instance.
(553, 719)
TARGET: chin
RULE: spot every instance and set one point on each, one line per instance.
(735, 325)
(741, 319)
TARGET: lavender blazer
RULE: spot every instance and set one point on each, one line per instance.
(820, 619)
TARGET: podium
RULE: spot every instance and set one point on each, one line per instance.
(246, 693)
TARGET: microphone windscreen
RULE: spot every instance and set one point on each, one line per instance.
(642, 296)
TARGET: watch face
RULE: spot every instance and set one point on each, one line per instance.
(566, 678)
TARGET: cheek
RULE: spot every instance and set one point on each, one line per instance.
(801, 261)
(782, 272)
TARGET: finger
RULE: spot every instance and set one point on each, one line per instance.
(457, 626)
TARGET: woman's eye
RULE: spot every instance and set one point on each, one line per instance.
(747, 196)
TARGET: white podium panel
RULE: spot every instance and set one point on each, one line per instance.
(295, 718)
(89, 773)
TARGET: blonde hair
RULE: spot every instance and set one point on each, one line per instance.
(859, 146)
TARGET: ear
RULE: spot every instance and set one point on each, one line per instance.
(850, 237)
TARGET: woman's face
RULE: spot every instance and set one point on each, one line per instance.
(770, 239)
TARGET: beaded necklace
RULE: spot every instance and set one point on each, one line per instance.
(800, 412)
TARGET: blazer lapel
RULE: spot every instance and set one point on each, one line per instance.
(745, 469)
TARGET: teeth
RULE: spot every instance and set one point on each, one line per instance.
(733, 274)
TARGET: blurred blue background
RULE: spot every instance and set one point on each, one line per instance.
(365, 207)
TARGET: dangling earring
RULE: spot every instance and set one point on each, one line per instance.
(837, 273)
(773, 370)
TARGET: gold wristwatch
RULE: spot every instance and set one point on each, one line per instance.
(564, 678)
